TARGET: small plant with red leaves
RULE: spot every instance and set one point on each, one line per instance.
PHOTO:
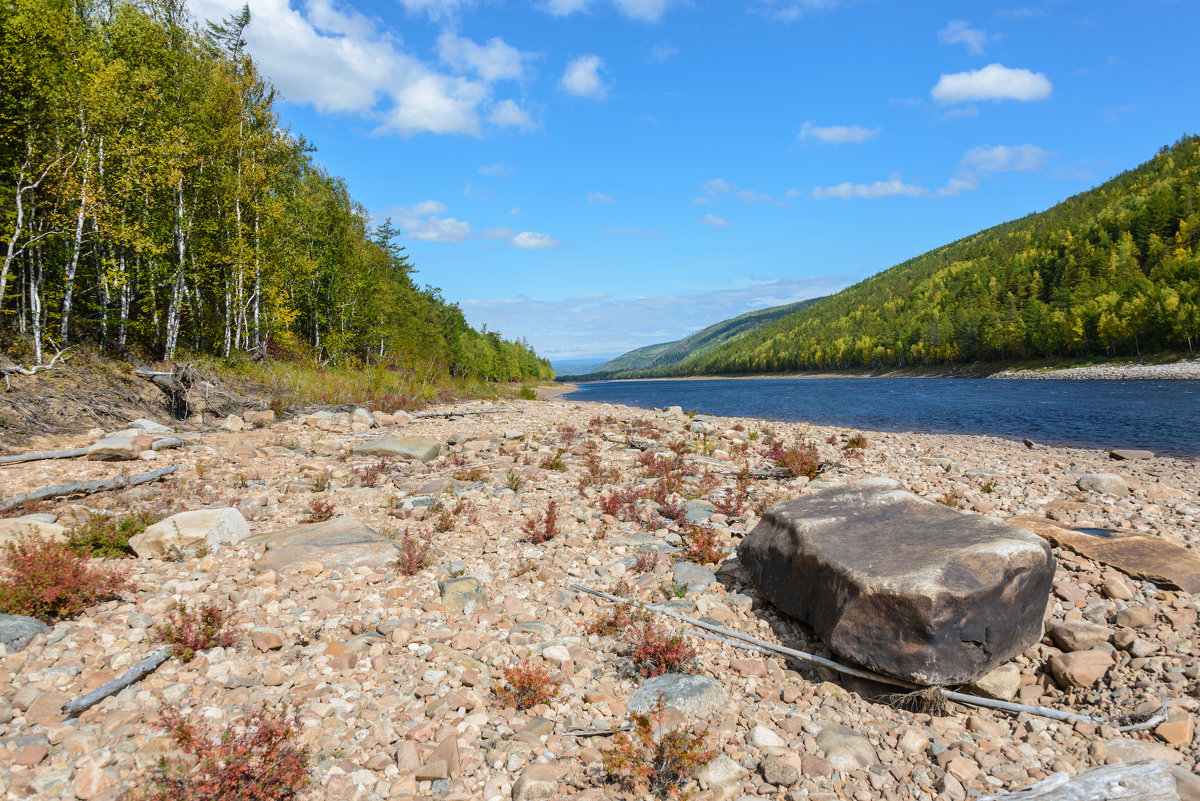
(646, 562)
(622, 503)
(568, 435)
(596, 424)
(620, 616)
(258, 760)
(525, 686)
(46, 579)
(416, 553)
(733, 503)
(187, 632)
(656, 651)
(655, 760)
(831, 439)
(597, 473)
(553, 461)
(319, 511)
(370, 475)
(701, 546)
(797, 461)
(543, 526)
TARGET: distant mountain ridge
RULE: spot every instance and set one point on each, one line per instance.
(668, 354)
(1114, 270)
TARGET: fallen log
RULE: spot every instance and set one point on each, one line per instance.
(37, 457)
(1145, 780)
(132, 676)
(739, 640)
(462, 413)
(176, 384)
(88, 487)
(15, 369)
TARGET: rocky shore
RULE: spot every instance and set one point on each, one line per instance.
(393, 675)
(1110, 372)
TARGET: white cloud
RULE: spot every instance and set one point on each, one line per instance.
(993, 82)
(715, 221)
(528, 240)
(497, 170)
(977, 162)
(662, 53)
(959, 31)
(630, 232)
(838, 134)
(604, 325)
(644, 10)
(599, 197)
(507, 114)
(792, 10)
(969, 112)
(435, 103)
(889, 188)
(582, 77)
(499, 232)
(515, 211)
(423, 221)
(436, 9)
(712, 189)
(494, 61)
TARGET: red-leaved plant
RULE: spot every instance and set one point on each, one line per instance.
(652, 759)
(187, 632)
(656, 651)
(416, 553)
(543, 526)
(526, 686)
(46, 579)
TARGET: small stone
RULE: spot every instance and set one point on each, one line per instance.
(1177, 730)
(1135, 617)
(265, 639)
(17, 630)
(537, 781)
(1116, 589)
(779, 772)
(1128, 455)
(1078, 635)
(814, 767)
(721, 771)
(846, 749)
(1003, 683)
(763, 738)
(694, 696)
(1104, 483)
(913, 742)
(749, 667)
(31, 755)
(457, 593)
(232, 423)
(558, 654)
(114, 449)
(1080, 668)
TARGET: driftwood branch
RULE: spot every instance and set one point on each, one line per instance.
(176, 384)
(133, 675)
(15, 369)
(37, 457)
(739, 640)
(1144, 780)
(88, 487)
(462, 413)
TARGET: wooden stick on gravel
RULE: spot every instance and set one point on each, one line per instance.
(37, 457)
(737, 639)
(463, 413)
(1127, 781)
(133, 675)
(88, 487)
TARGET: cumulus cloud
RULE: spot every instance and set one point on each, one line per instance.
(582, 77)
(644, 10)
(792, 10)
(494, 61)
(714, 188)
(499, 232)
(497, 170)
(959, 31)
(879, 189)
(977, 162)
(336, 60)
(715, 221)
(630, 232)
(425, 222)
(437, 9)
(507, 114)
(604, 325)
(993, 82)
(599, 197)
(838, 134)
(528, 240)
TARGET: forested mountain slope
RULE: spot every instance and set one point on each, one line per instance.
(667, 354)
(149, 200)
(1111, 271)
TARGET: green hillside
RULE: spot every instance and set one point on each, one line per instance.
(667, 354)
(1114, 271)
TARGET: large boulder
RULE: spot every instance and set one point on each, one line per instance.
(17, 630)
(343, 542)
(12, 528)
(114, 449)
(902, 585)
(187, 530)
(421, 448)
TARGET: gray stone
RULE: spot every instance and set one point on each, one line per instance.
(1105, 483)
(698, 511)
(720, 771)
(114, 449)
(232, 423)
(17, 630)
(149, 426)
(846, 749)
(187, 530)
(541, 629)
(695, 696)
(458, 592)
(422, 449)
(690, 576)
(361, 415)
(1126, 455)
(1122, 749)
(902, 585)
(343, 542)
(646, 542)
(779, 772)
(537, 781)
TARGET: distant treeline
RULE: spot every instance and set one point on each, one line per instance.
(1113, 271)
(149, 200)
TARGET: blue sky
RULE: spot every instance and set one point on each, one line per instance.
(598, 175)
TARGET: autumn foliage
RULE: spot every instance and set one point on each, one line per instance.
(48, 580)
(653, 759)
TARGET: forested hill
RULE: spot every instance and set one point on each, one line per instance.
(150, 201)
(1111, 271)
(667, 354)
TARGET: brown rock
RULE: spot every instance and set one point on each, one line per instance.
(814, 767)
(749, 667)
(266, 639)
(1078, 635)
(31, 755)
(90, 780)
(1177, 730)
(1135, 617)
(537, 781)
(1080, 668)
(47, 709)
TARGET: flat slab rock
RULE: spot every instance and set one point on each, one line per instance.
(421, 448)
(905, 586)
(343, 542)
(1147, 558)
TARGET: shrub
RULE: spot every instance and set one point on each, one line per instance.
(256, 761)
(652, 759)
(527, 393)
(856, 442)
(798, 461)
(107, 537)
(621, 503)
(646, 562)
(733, 504)
(527, 686)
(322, 481)
(954, 497)
(553, 462)
(543, 526)
(514, 481)
(702, 546)
(187, 632)
(48, 580)
(620, 616)
(416, 553)
(371, 474)
(319, 511)
(656, 651)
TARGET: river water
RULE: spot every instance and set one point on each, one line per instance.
(1161, 416)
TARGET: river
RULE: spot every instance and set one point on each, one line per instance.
(1161, 416)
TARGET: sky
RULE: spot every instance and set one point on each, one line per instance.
(599, 175)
